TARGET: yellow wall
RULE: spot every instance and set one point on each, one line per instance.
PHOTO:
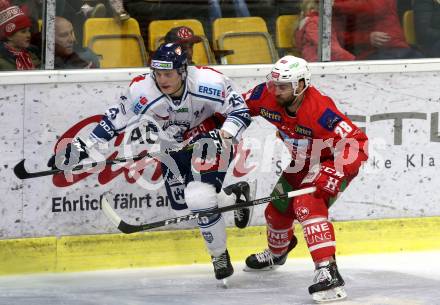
(112, 251)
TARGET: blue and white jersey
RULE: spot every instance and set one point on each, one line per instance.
(206, 92)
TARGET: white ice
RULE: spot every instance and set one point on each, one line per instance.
(385, 279)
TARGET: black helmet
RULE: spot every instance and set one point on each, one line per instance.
(170, 56)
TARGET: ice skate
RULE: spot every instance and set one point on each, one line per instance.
(242, 216)
(328, 284)
(222, 268)
(265, 260)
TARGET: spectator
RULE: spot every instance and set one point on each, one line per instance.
(16, 52)
(184, 36)
(215, 11)
(118, 9)
(68, 55)
(372, 29)
(92, 9)
(427, 26)
(307, 34)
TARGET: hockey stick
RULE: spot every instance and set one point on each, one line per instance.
(21, 172)
(127, 228)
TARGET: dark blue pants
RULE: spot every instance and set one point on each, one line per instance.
(175, 187)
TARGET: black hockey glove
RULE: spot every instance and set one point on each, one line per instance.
(70, 156)
(209, 144)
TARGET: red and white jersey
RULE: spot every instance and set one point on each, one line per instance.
(207, 92)
(316, 120)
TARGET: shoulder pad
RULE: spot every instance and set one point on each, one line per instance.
(256, 93)
(329, 119)
(137, 79)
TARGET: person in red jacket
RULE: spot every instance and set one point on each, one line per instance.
(307, 34)
(372, 29)
(327, 151)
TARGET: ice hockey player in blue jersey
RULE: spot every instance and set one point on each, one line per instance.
(184, 102)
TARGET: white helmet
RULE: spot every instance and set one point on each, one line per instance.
(291, 69)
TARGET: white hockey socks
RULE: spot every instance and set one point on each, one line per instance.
(199, 197)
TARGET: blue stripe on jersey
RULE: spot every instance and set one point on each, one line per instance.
(236, 121)
(208, 98)
(256, 93)
(104, 130)
(243, 119)
(152, 103)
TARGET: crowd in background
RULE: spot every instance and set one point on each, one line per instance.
(361, 29)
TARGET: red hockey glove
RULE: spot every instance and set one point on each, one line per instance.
(327, 180)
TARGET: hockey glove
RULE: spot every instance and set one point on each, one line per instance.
(327, 180)
(209, 145)
(69, 157)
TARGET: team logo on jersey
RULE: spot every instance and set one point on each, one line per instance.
(329, 119)
(301, 213)
(139, 105)
(304, 131)
(211, 90)
(208, 237)
(180, 110)
(143, 100)
(272, 116)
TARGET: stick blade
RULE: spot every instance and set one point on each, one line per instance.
(109, 212)
(20, 171)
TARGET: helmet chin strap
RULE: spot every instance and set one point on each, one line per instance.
(183, 75)
(296, 101)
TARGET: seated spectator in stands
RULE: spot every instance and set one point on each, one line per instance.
(184, 36)
(372, 29)
(91, 9)
(215, 11)
(118, 9)
(427, 26)
(68, 54)
(34, 10)
(94, 9)
(307, 34)
(16, 52)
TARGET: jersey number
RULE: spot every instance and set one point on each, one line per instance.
(343, 129)
(235, 100)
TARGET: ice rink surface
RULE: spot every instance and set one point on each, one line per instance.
(385, 279)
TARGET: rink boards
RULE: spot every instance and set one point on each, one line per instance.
(183, 247)
(397, 104)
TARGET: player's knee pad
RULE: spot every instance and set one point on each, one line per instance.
(319, 234)
(277, 220)
(279, 230)
(307, 206)
(199, 197)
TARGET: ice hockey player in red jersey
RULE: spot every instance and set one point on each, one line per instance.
(327, 150)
